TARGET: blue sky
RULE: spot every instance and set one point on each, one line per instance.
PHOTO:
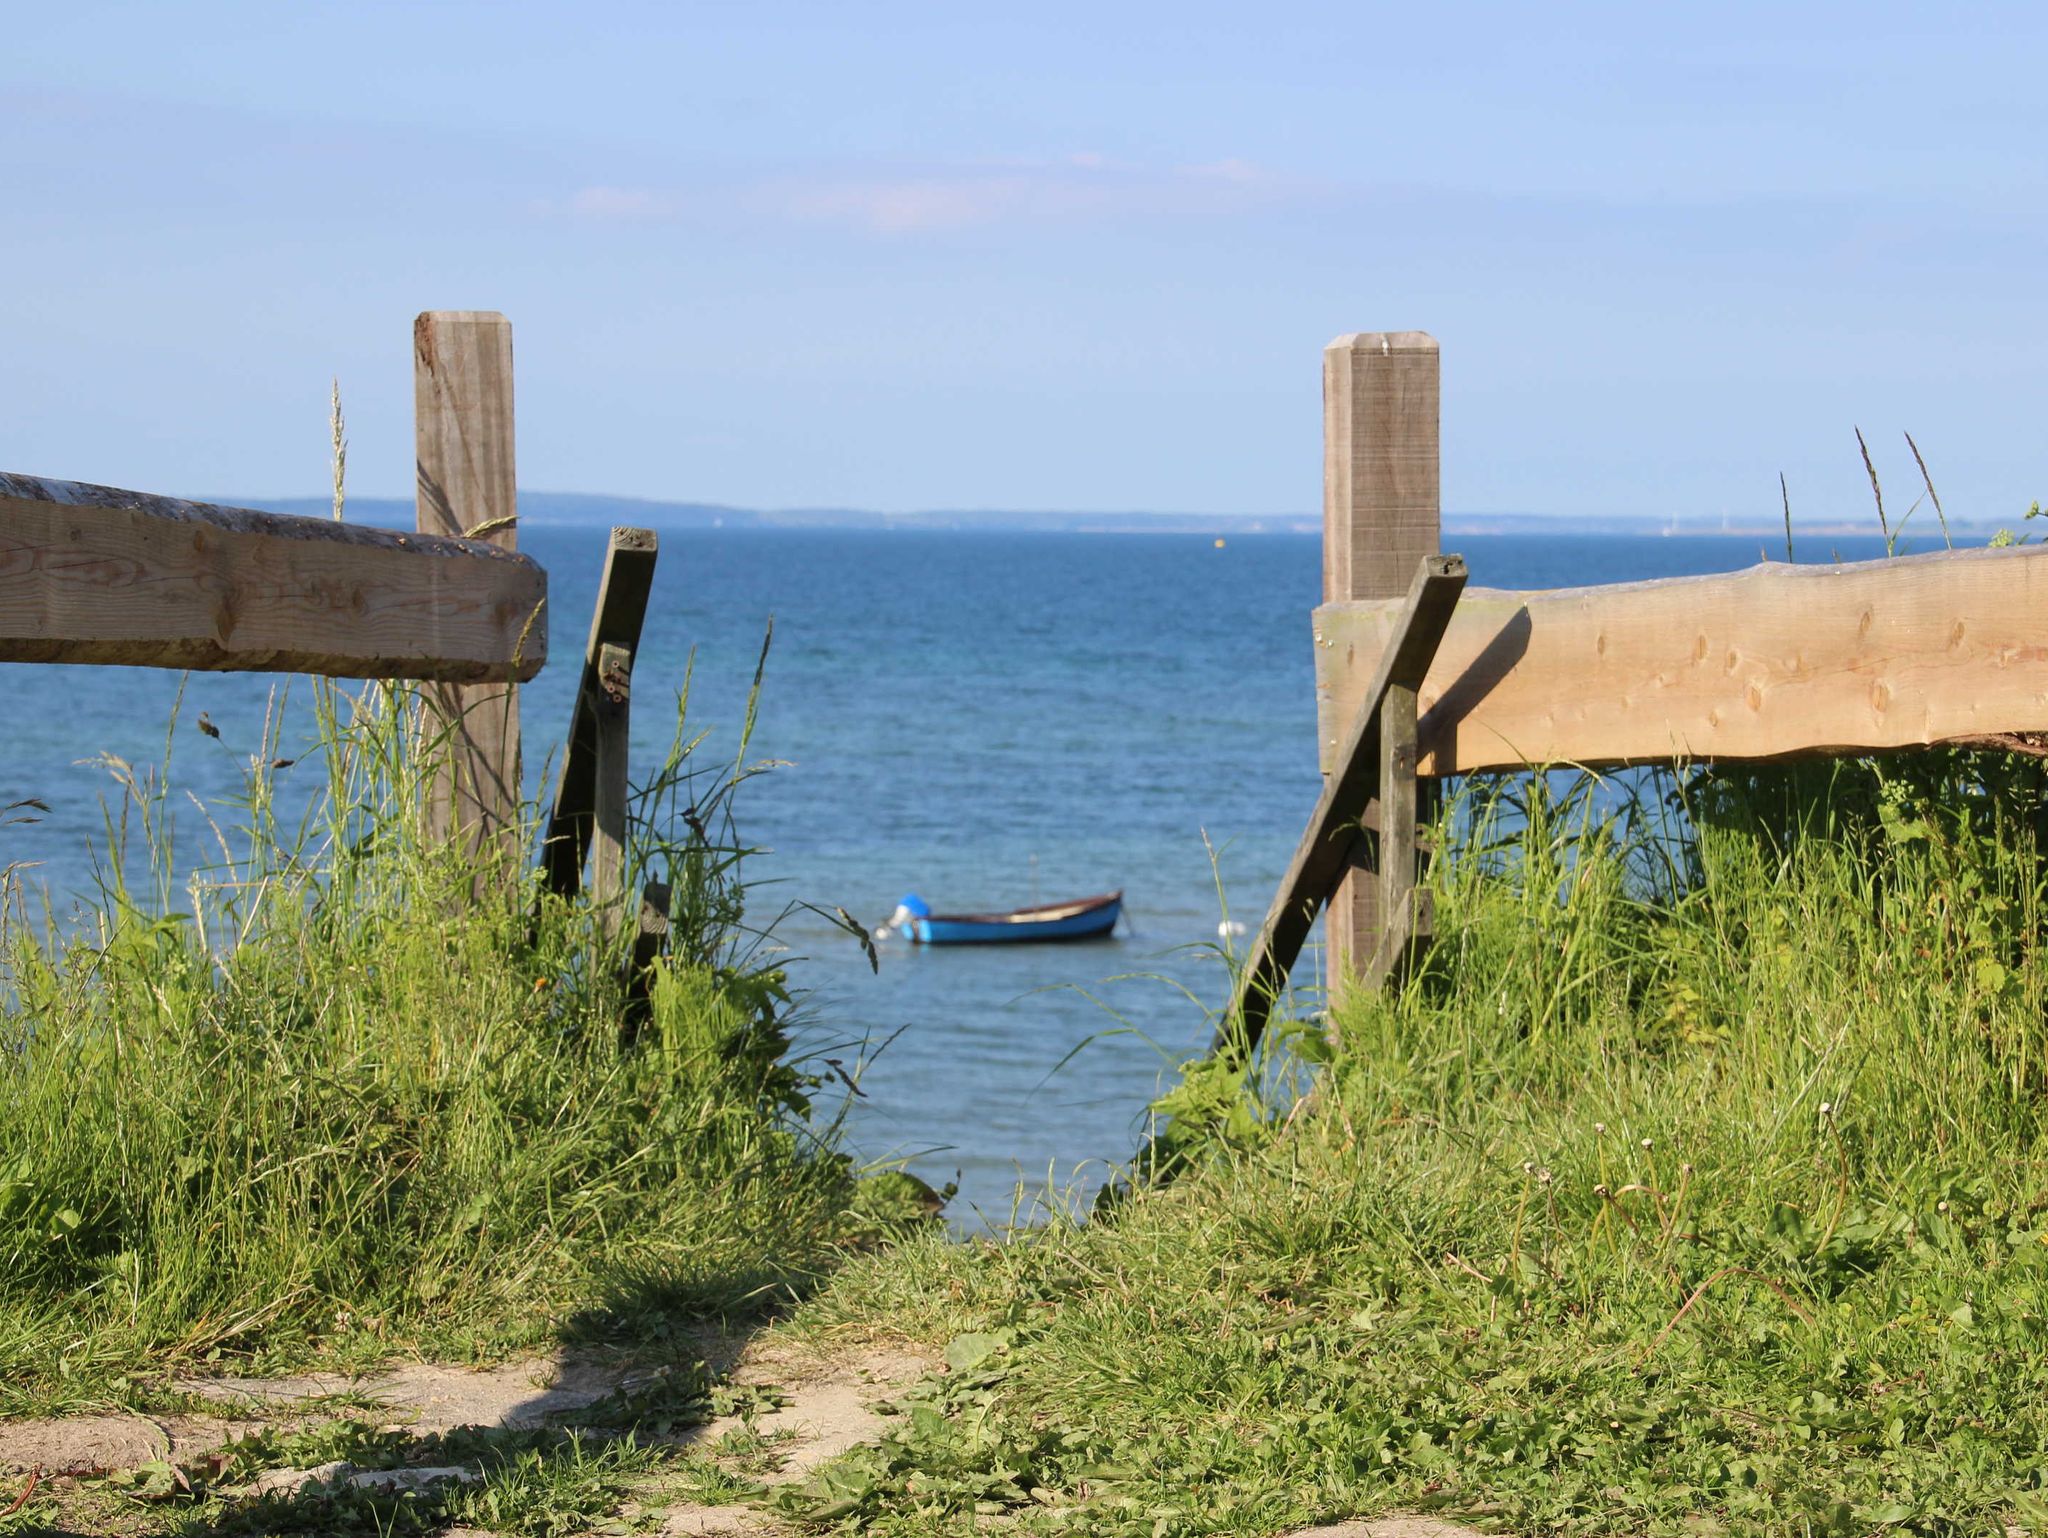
(1066, 257)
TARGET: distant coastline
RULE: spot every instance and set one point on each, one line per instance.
(570, 509)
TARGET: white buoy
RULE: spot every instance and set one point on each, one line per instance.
(1229, 928)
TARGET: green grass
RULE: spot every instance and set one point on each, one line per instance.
(1688, 1189)
(344, 1097)
(1695, 1184)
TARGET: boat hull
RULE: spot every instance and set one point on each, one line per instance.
(1090, 919)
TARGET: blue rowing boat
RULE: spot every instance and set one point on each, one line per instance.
(1084, 918)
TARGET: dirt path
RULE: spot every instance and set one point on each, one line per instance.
(827, 1409)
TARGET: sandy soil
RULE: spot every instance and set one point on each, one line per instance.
(829, 1411)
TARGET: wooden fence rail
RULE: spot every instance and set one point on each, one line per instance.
(93, 574)
(1776, 662)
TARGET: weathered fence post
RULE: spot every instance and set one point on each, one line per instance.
(462, 401)
(615, 624)
(1381, 515)
(1378, 745)
(1400, 803)
(610, 788)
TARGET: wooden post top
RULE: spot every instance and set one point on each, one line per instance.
(428, 320)
(1384, 342)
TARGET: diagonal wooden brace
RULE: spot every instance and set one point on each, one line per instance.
(1375, 762)
(621, 609)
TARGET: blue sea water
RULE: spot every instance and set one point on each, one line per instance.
(985, 719)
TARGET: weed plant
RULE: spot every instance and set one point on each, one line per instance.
(1690, 1186)
(351, 1092)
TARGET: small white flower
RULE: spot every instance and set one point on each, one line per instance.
(1646, 1144)
(1600, 1127)
(1827, 1108)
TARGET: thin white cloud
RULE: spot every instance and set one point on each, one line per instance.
(1242, 173)
(621, 203)
(1084, 185)
(901, 205)
(1074, 187)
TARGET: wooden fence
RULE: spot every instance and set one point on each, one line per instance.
(91, 574)
(1418, 677)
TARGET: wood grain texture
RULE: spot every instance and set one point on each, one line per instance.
(1398, 807)
(1381, 516)
(610, 787)
(621, 610)
(1411, 925)
(1774, 662)
(95, 574)
(1381, 480)
(463, 445)
(1321, 858)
